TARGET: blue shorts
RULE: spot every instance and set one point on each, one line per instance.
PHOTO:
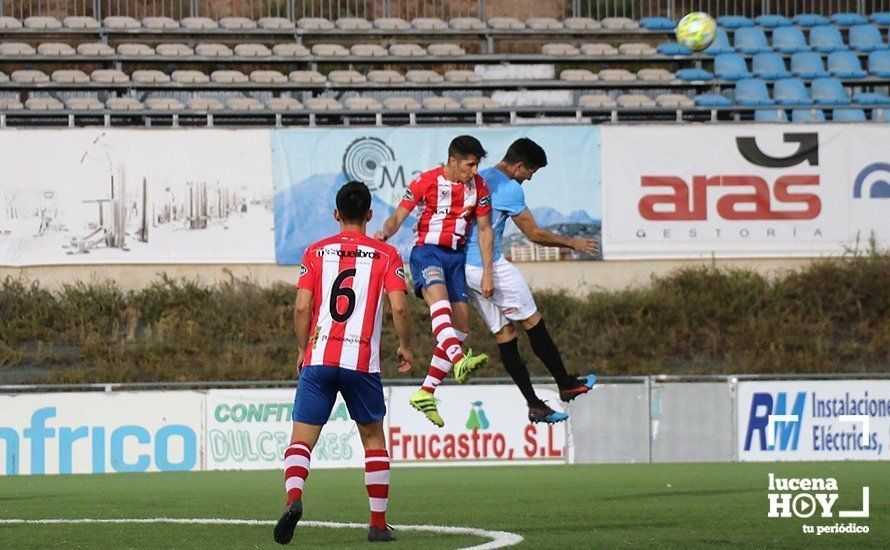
(317, 391)
(432, 264)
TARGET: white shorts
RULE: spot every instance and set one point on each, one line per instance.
(512, 299)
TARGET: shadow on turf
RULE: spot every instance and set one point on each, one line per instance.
(691, 493)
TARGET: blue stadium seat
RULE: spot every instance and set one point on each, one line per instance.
(770, 115)
(829, 91)
(848, 19)
(694, 74)
(879, 63)
(769, 65)
(827, 39)
(712, 100)
(808, 65)
(672, 48)
(807, 115)
(848, 115)
(880, 18)
(791, 91)
(810, 20)
(880, 115)
(789, 40)
(866, 38)
(752, 91)
(734, 22)
(658, 24)
(750, 40)
(845, 65)
(730, 66)
(720, 44)
(871, 98)
(772, 21)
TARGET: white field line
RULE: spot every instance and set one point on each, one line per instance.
(499, 539)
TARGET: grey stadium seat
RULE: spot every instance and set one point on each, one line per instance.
(445, 50)
(267, 77)
(620, 23)
(109, 76)
(368, 50)
(228, 77)
(506, 23)
(276, 23)
(386, 77)
(440, 103)
(559, 49)
(429, 24)
(252, 50)
(461, 76)
(9, 23)
(9, 104)
(467, 24)
(597, 101)
(323, 104)
(42, 23)
(330, 50)
(204, 104)
(199, 24)
(315, 24)
(543, 24)
(635, 100)
(29, 76)
(307, 77)
(163, 104)
(94, 49)
(617, 75)
(284, 104)
(291, 50)
(183, 76)
(362, 104)
(84, 104)
(66, 76)
(477, 103)
(346, 77)
(599, 50)
(81, 22)
(124, 104)
(16, 48)
(159, 24)
(135, 50)
(120, 22)
(391, 24)
(578, 75)
(213, 50)
(424, 77)
(407, 50)
(655, 75)
(174, 50)
(353, 24)
(636, 48)
(401, 104)
(150, 77)
(581, 24)
(674, 100)
(55, 49)
(3, 78)
(237, 24)
(44, 104)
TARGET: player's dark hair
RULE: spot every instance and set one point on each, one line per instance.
(353, 201)
(527, 152)
(466, 146)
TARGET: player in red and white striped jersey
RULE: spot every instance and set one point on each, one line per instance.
(338, 318)
(451, 197)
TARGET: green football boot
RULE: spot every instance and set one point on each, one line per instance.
(425, 402)
(464, 369)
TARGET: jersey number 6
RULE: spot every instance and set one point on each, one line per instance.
(340, 290)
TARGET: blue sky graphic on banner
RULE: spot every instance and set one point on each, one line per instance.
(310, 165)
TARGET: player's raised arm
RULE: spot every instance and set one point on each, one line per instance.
(392, 224)
(526, 223)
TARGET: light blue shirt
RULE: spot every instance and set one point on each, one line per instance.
(507, 200)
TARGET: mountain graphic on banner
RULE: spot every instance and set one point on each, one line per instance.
(548, 217)
(304, 214)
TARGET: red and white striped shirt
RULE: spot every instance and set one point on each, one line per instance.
(448, 207)
(348, 274)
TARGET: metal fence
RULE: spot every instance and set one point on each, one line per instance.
(443, 9)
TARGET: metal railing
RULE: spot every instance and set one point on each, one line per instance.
(443, 9)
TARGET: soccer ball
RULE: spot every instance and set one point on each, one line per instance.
(696, 31)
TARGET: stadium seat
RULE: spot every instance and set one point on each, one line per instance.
(445, 49)
(467, 24)
(56, 49)
(827, 39)
(845, 65)
(506, 24)
(16, 48)
(368, 50)
(407, 50)
(599, 50)
(772, 21)
(712, 100)
(655, 75)
(578, 75)
(848, 19)
(720, 44)
(809, 20)
(346, 77)
(479, 103)
(879, 63)
(198, 24)
(635, 101)
(401, 104)
(283, 104)
(42, 23)
(543, 24)
(657, 23)
(555, 49)
(429, 24)
(734, 22)
(150, 77)
(267, 77)
(829, 91)
(174, 50)
(620, 23)
(440, 103)
(83, 104)
(109, 76)
(9, 23)
(315, 24)
(672, 48)
(385, 77)
(28, 76)
(807, 115)
(183, 76)
(204, 104)
(770, 115)
(848, 115)
(596, 101)
(228, 77)
(307, 77)
(159, 24)
(330, 50)
(462, 76)
(750, 40)
(675, 101)
(91, 49)
(66, 76)
(4, 78)
(276, 23)
(752, 91)
(391, 24)
(791, 91)
(636, 49)
(878, 115)
(135, 50)
(81, 23)
(9, 104)
(213, 50)
(808, 65)
(290, 50)
(353, 24)
(244, 104)
(789, 40)
(616, 75)
(769, 66)
(866, 38)
(44, 104)
(237, 24)
(731, 66)
(252, 50)
(581, 24)
(880, 18)
(123, 104)
(323, 104)
(424, 77)
(690, 75)
(871, 98)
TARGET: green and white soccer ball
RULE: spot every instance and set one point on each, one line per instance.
(696, 31)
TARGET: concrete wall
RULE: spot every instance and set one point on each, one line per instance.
(575, 277)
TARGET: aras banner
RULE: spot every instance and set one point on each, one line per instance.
(745, 190)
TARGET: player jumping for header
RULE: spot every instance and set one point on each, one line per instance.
(341, 286)
(512, 300)
(450, 196)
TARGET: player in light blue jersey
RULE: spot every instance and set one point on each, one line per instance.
(512, 300)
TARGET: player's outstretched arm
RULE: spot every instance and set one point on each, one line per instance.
(486, 248)
(401, 318)
(302, 322)
(392, 224)
(526, 223)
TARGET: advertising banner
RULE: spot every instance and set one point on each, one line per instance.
(251, 429)
(115, 196)
(91, 433)
(819, 420)
(744, 190)
(483, 425)
(310, 165)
